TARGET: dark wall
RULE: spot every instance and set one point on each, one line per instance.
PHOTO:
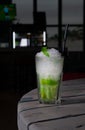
(5, 1)
(17, 69)
(5, 31)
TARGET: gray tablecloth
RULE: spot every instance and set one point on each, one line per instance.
(69, 115)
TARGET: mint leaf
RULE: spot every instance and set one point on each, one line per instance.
(44, 50)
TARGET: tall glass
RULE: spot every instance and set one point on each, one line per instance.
(49, 77)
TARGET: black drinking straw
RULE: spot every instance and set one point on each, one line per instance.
(64, 39)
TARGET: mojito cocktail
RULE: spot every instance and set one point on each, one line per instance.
(49, 71)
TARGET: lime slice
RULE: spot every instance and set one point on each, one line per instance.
(45, 52)
(48, 82)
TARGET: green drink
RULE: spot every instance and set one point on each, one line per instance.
(49, 71)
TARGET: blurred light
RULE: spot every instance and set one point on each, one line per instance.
(44, 38)
(23, 42)
(13, 39)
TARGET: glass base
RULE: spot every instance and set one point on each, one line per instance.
(51, 102)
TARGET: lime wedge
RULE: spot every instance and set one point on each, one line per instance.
(48, 82)
(45, 52)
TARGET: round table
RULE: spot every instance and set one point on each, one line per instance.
(69, 115)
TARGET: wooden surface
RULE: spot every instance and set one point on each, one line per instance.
(69, 115)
